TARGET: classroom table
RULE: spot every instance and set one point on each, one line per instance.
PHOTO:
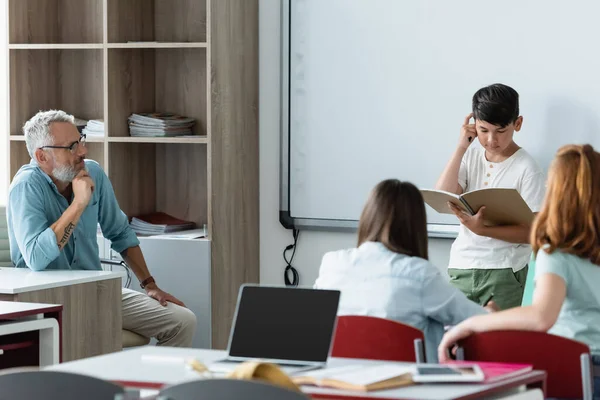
(151, 367)
(92, 320)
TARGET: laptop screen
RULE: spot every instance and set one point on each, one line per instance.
(284, 323)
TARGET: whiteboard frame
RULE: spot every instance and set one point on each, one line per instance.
(285, 217)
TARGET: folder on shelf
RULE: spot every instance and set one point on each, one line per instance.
(158, 223)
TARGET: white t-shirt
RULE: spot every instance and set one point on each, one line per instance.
(377, 282)
(519, 171)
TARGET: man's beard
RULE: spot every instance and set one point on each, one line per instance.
(64, 173)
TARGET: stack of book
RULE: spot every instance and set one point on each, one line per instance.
(80, 124)
(159, 223)
(94, 127)
(159, 124)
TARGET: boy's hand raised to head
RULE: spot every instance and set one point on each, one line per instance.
(468, 133)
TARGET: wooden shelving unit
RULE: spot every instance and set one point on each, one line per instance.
(199, 58)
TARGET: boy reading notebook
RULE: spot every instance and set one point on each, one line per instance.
(491, 260)
(502, 206)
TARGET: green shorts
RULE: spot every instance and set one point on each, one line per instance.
(504, 286)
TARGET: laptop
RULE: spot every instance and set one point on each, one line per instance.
(291, 327)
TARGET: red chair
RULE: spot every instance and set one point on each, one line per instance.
(566, 362)
(377, 339)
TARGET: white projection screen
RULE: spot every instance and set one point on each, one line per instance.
(376, 89)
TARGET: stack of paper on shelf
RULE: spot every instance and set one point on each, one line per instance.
(158, 223)
(94, 127)
(159, 124)
(80, 124)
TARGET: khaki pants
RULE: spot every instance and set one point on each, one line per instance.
(172, 325)
(504, 286)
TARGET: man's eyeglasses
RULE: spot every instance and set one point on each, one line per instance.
(73, 147)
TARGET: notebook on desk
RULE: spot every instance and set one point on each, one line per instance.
(290, 327)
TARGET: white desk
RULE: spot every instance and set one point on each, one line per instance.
(17, 319)
(22, 280)
(131, 370)
(92, 305)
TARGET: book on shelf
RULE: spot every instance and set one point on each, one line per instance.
(94, 127)
(80, 123)
(160, 119)
(187, 234)
(159, 124)
(141, 131)
(503, 206)
(362, 378)
(158, 223)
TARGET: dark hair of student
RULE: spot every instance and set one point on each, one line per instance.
(496, 104)
(395, 216)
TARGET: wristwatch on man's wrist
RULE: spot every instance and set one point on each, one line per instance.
(147, 281)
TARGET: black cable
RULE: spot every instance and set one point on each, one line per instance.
(295, 279)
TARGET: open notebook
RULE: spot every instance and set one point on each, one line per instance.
(502, 206)
(361, 378)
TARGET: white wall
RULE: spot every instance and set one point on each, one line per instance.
(273, 237)
(3, 104)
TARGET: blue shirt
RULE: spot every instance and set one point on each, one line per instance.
(34, 204)
(377, 282)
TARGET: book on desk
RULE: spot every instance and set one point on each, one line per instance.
(366, 378)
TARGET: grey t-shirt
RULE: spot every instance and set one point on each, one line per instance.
(579, 317)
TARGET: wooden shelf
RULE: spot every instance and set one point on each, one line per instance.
(95, 139)
(157, 45)
(168, 177)
(156, 79)
(156, 20)
(133, 45)
(89, 139)
(64, 79)
(174, 140)
(19, 155)
(55, 21)
(55, 46)
(108, 59)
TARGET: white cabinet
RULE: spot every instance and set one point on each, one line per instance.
(182, 268)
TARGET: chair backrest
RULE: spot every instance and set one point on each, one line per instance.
(4, 248)
(227, 389)
(55, 385)
(564, 360)
(378, 339)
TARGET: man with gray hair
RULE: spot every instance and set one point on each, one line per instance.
(54, 206)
